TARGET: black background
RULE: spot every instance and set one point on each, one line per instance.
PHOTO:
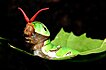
(76, 16)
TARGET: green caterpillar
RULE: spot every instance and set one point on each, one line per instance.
(37, 34)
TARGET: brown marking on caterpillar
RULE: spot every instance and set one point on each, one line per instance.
(68, 53)
(29, 29)
(54, 50)
(37, 40)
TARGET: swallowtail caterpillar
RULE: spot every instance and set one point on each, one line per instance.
(37, 34)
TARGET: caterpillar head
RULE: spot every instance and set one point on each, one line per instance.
(35, 26)
(35, 32)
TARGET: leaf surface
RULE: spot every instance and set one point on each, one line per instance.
(80, 43)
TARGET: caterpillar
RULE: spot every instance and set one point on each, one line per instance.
(37, 34)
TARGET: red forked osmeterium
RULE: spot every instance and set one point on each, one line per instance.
(32, 19)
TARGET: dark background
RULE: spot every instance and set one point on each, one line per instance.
(76, 16)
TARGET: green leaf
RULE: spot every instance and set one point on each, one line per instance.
(79, 43)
